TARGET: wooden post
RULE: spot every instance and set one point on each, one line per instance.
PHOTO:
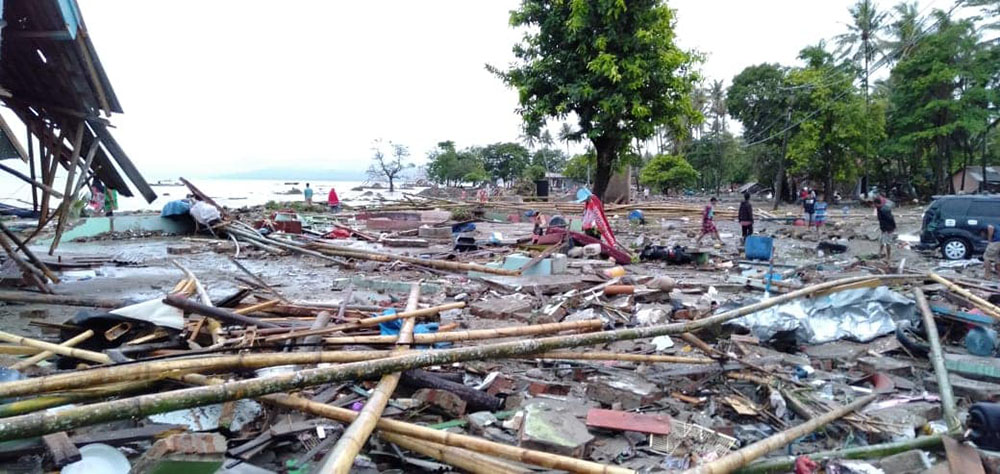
(35, 185)
(23, 247)
(341, 457)
(31, 170)
(68, 196)
(29, 272)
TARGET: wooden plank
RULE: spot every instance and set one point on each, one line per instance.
(67, 201)
(627, 421)
(92, 72)
(962, 458)
(62, 450)
(35, 184)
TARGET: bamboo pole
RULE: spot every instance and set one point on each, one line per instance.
(480, 445)
(341, 457)
(44, 187)
(56, 348)
(30, 405)
(42, 423)
(743, 456)
(257, 307)
(475, 334)
(983, 305)
(787, 463)
(386, 257)
(323, 319)
(226, 316)
(367, 322)
(937, 360)
(165, 368)
(462, 458)
(14, 349)
(267, 243)
(604, 355)
(24, 364)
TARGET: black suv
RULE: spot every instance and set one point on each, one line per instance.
(957, 224)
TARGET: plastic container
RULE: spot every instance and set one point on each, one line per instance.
(981, 341)
(759, 247)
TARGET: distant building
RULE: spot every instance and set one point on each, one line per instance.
(968, 180)
(558, 182)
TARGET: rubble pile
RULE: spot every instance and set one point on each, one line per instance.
(401, 340)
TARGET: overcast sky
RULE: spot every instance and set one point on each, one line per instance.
(213, 86)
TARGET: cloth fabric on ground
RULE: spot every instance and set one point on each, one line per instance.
(204, 213)
(861, 315)
(179, 207)
(593, 216)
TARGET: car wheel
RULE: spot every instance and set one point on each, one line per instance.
(955, 249)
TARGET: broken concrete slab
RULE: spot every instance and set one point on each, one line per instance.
(963, 387)
(625, 421)
(885, 364)
(442, 400)
(551, 427)
(502, 308)
(630, 392)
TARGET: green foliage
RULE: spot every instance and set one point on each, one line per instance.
(449, 166)
(534, 173)
(581, 167)
(549, 159)
(615, 66)
(505, 161)
(666, 172)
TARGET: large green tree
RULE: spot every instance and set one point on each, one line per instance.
(614, 63)
(505, 161)
(666, 172)
(761, 99)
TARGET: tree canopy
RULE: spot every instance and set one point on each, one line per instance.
(615, 65)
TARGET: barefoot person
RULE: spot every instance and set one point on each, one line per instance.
(308, 195)
(708, 222)
(991, 258)
(886, 224)
(746, 217)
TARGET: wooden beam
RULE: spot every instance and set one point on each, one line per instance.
(123, 161)
(19, 175)
(92, 72)
(57, 35)
(68, 196)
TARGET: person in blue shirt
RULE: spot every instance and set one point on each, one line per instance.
(309, 195)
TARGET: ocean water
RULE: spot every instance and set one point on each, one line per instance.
(232, 193)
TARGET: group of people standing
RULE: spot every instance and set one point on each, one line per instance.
(815, 215)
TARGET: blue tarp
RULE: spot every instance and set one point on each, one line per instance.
(179, 207)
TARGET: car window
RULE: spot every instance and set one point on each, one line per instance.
(984, 208)
(953, 208)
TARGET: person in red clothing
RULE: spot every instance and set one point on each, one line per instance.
(333, 201)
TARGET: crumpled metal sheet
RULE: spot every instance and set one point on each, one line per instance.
(860, 315)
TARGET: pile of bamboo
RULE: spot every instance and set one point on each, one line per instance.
(275, 333)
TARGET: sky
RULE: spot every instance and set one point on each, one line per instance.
(212, 87)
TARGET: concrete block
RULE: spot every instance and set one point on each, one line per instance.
(550, 427)
(187, 453)
(630, 392)
(884, 364)
(501, 308)
(441, 233)
(442, 400)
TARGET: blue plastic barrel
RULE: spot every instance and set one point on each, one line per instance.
(759, 247)
(981, 341)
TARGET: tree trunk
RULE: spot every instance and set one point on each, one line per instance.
(607, 150)
(391, 187)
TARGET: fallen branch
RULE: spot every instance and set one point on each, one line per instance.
(475, 334)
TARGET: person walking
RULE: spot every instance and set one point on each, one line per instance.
(820, 214)
(308, 194)
(991, 258)
(746, 218)
(708, 222)
(887, 225)
(809, 206)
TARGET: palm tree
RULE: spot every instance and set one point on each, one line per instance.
(566, 135)
(862, 44)
(904, 32)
